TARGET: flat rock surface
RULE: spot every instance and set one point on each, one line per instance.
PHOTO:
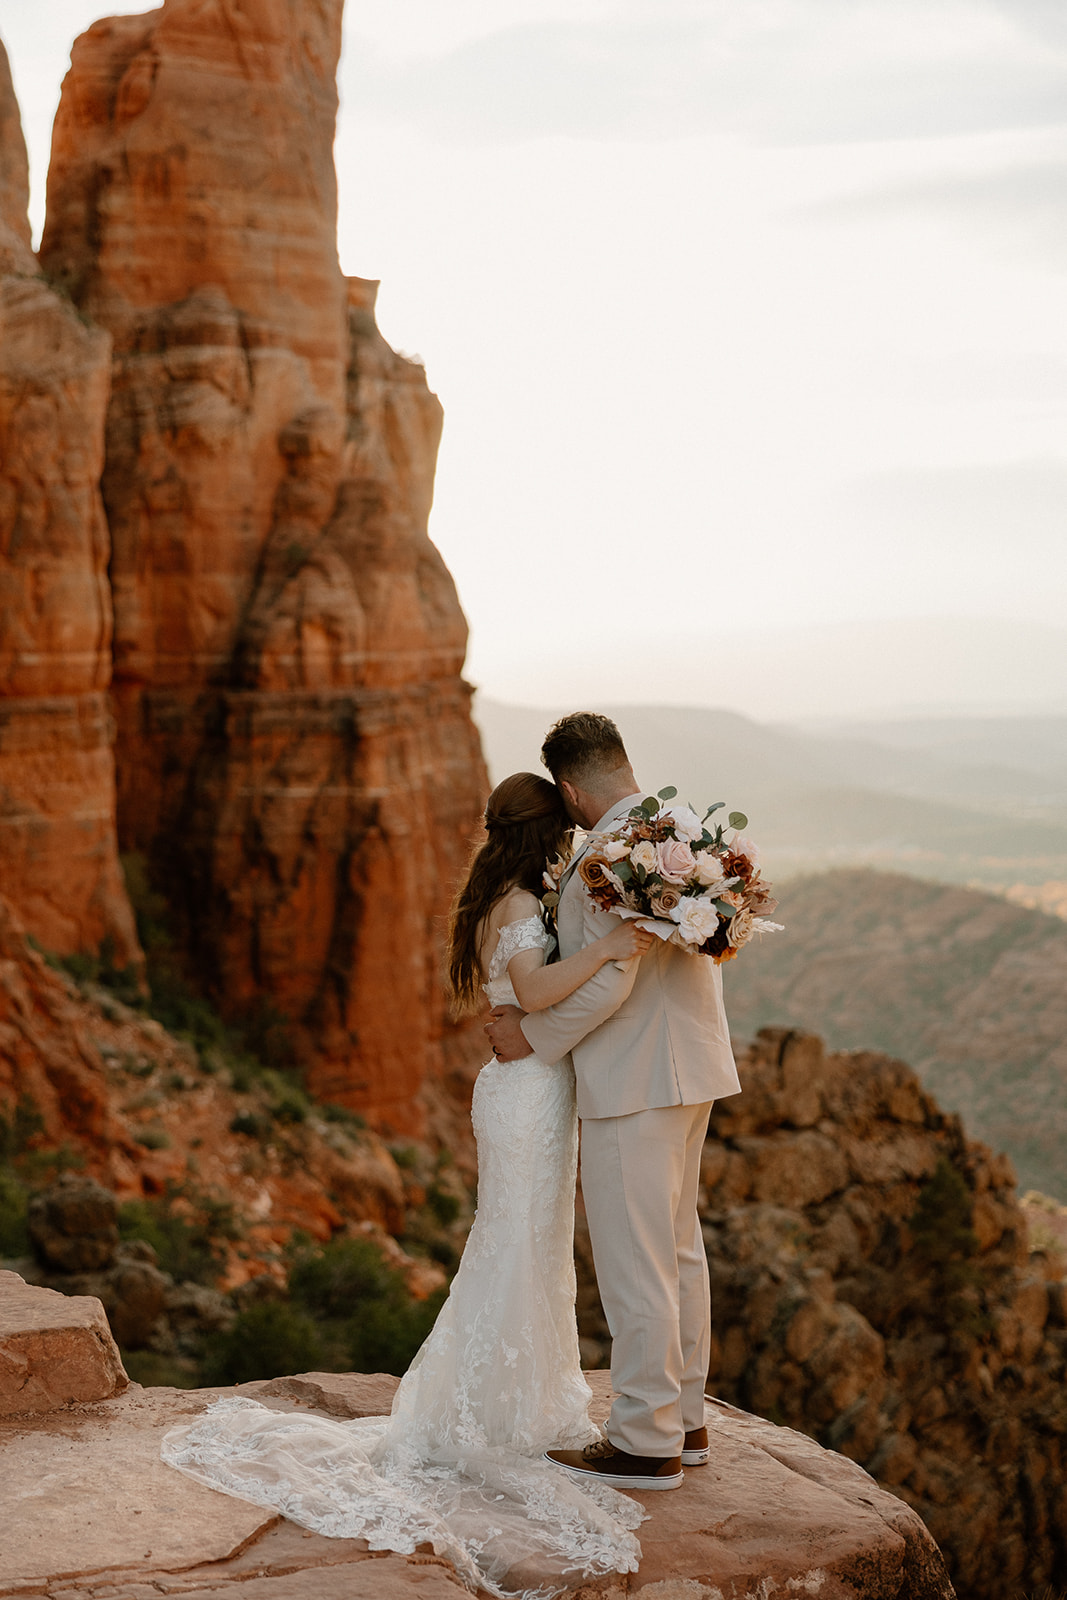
(55, 1349)
(90, 1510)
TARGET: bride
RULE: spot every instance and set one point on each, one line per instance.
(458, 1462)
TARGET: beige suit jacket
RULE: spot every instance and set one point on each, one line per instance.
(651, 1033)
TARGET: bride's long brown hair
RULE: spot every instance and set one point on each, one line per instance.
(525, 826)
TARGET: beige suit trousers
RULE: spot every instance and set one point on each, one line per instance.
(640, 1175)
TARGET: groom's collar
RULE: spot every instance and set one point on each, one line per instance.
(618, 812)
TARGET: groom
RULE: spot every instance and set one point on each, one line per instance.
(651, 1052)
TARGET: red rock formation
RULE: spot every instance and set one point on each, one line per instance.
(295, 751)
(58, 854)
(145, 1114)
(931, 1351)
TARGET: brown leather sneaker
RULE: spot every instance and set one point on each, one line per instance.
(617, 1467)
(695, 1449)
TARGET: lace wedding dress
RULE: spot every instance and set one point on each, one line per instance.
(458, 1463)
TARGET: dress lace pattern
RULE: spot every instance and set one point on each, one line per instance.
(458, 1462)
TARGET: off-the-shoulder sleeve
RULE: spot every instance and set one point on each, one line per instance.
(529, 933)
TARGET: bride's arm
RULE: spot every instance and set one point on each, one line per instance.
(537, 986)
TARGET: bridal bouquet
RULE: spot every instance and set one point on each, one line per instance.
(680, 878)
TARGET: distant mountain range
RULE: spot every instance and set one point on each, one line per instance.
(969, 990)
(964, 800)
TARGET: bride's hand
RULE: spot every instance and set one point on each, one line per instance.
(625, 941)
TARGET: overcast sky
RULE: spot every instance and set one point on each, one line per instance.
(748, 317)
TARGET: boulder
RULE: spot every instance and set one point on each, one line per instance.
(73, 1224)
(55, 1350)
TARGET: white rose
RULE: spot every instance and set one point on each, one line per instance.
(686, 823)
(741, 845)
(613, 849)
(709, 870)
(697, 918)
(644, 855)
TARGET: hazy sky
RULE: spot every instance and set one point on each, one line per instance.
(748, 317)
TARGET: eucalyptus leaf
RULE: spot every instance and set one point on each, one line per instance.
(622, 870)
(724, 908)
(738, 819)
(668, 793)
(718, 805)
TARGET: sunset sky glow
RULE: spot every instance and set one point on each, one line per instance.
(749, 324)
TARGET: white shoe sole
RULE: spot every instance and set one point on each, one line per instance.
(696, 1458)
(620, 1480)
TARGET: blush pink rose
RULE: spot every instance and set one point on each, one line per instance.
(675, 860)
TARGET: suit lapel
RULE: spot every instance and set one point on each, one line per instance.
(617, 814)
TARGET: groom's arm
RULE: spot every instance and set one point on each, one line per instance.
(556, 1030)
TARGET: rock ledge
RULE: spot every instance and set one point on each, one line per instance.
(95, 1513)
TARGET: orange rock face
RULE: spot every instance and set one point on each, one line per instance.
(146, 1116)
(294, 747)
(58, 854)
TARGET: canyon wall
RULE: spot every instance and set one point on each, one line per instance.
(58, 855)
(872, 1286)
(294, 754)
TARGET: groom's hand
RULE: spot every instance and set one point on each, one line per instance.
(506, 1037)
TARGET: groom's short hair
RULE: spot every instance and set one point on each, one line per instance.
(583, 745)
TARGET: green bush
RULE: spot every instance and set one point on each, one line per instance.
(941, 1229)
(14, 1240)
(187, 1248)
(384, 1335)
(332, 1281)
(266, 1341)
(946, 1246)
(363, 1306)
(19, 1128)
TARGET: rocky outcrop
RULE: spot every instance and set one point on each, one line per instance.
(58, 853)
(55, 1350)
(984, 1021)
(872, 1286)
(147, 1115)
(771, 1512)
(295, 752)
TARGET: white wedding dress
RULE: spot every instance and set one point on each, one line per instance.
(458, 1464)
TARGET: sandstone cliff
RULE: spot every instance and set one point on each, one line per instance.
(58, 855)
(872, 1286)
(294, 752)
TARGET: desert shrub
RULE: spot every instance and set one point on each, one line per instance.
(332, 1281)
(342, 1115)
(941, 1229)
(444, 1205)
(188, 1247)
(154, 1370)
(252, 1124)
(153, 1138)
(19, 1127)
(946, 1247)
(14, 1240)
(266, 1341)
(363, 1305)
(384, 1335)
